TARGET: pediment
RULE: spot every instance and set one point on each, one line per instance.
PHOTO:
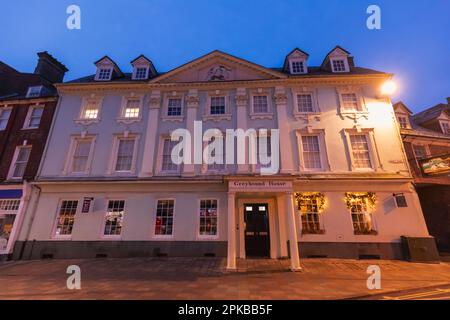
(218, 66)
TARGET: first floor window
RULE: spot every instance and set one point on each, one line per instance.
(305, 102)
(420, 151)
(361, 218)
(208, 218)
(360, 151)
(4, 117)
(311, 152)
(125, 152)
(34, 117)
(350, 101)
(132, 108)
(164, 217)
(338, 65)
(81, 155)
(90, 111)
(167, 164)
(260, 104)
(217, 105)
(174, 107)
(66, 217)
(23, 154)
(114, 218)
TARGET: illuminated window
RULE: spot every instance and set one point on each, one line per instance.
(66, 217)
(361, 218)
(309, 209)
(164, 217)
(114, 218)
(208, 218)
(132, 108)
(91, 110)
(360, 151)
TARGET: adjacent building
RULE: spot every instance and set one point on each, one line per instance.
(109, 185)
(27, 105)
(426, 137)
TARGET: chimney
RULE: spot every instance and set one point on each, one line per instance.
(50, 68)
(351, 61)
(448, 101)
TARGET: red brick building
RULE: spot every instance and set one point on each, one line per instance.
(426, 137)
(27, 104)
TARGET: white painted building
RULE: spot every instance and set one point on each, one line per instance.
(107, 186)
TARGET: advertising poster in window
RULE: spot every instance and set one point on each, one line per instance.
(438, 165)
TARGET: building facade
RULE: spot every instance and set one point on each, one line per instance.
(109, 185)
(426, 137)
(27, 105)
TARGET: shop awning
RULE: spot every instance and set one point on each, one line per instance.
(11, 194)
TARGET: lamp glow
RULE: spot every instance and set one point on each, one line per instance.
(388, 88)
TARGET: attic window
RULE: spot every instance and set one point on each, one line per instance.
(104, 74)
(140, 73)
(34, 92)
(445, 127)
(403, 122)
(297, 66)
(338, 65)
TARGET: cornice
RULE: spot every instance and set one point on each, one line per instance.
(28, 101)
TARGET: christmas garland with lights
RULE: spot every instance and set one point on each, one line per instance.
(351, 197)
(319, 197)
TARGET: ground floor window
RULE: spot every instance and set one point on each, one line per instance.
(164, 217)
(114, 218)
(6, 226)
(310, 206)
(66, 217)
(208, 218)
(360, 206)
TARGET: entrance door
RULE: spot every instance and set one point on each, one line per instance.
(257, 238)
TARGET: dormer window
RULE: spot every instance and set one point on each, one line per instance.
(140, 73)
(104, 74)
(403, 122)
(339, 65)
(298, 67)
(445, 127)
(34, 92)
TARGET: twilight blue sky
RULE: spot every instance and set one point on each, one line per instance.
(414, 42)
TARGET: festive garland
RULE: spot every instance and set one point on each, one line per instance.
(319, 197)
(371, 198)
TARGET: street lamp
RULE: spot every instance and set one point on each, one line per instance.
(388, 88)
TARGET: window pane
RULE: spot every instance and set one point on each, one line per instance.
(305, 103)
(164, 217)
(167, 163)
(114, 217)
(360, 149)
(125, 152)
(311, 152)
(217, 154)
(35, 117)
(4, 117)
(350, 101)
(338, 65)
(66, 217)
(419, 151)
(362, 220)
(141, 73)
(298, 67)
(260, 104)
(217, 105)
(104, 74)
(208, 217)
(174, 107)
(81, 155)
(132, 108)
(21, 162)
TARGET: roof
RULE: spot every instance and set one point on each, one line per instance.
(402, 105)
(431, 113)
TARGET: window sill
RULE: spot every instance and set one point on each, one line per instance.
(207, 238)
(86, 121)
(218, 117)
(62, 237)
(313, 232)
(111, 237)
(172, 118)
(163, 236)
(128, 120)
(255, 116)
(308, 116)
(365, 233)
(354, 114)
(169, 173)
(30, 128)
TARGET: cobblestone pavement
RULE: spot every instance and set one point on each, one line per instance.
(206, 278)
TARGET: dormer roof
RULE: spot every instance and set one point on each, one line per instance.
(142, 60)
(401, 105)
(104, 61)
(336, 51)
(296, 52)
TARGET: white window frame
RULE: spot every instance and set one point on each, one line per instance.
(159, 161)
(2, 111)
(167, 97)
(31, 108)
(324, 161)
(217, 117)
(374, 231)
(14, 160)
(442, 122)
(352, 113)
(99, 70)
(113, 236)
(70, 155)
(315, 114)
(337, 58)
(98, 101)
(205, 167)
(115, 150)
(373, 152)
(291, 65)
(135, 71)
(55, 236)
(406, 118)
(128, 120)
(208, 236)
(35, 95)
(164, 236)
(260, 115)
